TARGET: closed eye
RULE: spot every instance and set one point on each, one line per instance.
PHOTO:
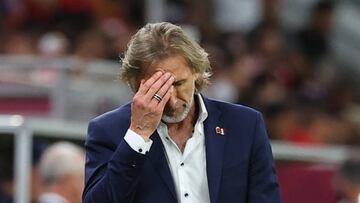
(179, 82)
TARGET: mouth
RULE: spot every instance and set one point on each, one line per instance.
(169, 111)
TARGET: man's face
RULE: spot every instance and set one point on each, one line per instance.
(181, 99)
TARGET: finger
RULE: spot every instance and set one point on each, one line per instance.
(166, 98)
(157, 86)
(145, 85)
(162, 91)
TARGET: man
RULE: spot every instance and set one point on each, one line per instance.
(171, 144)
(62, 171)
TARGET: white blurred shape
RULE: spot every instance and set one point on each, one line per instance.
(53, 44)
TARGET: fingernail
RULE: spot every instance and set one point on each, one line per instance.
(159, 73)
(167, 75)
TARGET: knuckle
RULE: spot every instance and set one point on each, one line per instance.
(135, 101)
(159, 110)
(153, 88)
(148, 108)
(146, 85)
(138, 102)
(153, 110)
(165, 80)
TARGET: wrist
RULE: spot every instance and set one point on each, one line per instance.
(144, 134)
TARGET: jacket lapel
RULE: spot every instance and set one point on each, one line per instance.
(158, 158)
(214, 143)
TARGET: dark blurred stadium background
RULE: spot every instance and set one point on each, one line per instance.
(297, 61)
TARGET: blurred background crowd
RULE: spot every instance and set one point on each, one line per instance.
(295, 61)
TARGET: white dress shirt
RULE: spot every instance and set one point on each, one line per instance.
(188, 169)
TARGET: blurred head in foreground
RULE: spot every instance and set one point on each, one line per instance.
(62, 173)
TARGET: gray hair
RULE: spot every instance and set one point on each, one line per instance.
(59, 160)
(157, 41)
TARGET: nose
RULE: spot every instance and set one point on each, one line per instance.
(173, 99)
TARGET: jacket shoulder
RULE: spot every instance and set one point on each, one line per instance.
(231, 109)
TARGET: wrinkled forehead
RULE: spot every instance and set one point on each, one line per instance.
(174, 64)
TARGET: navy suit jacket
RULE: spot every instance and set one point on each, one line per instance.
(240, 166)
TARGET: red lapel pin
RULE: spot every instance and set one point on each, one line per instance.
(219, 131)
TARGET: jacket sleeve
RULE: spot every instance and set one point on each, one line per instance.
(263, 182)
(111, 172)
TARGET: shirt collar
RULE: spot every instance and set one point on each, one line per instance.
(203, 114)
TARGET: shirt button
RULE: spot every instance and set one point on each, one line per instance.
(146, 152)
(182, 164)
(167, 138)
(186, 194)
(140, 150)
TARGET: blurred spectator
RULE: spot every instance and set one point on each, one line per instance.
(351, 119)
(237, 15)
(270, 11)
(269, 18)
(236, 44)
(347, 181)
(18, 43)
(268, 44)
(314, 39)
(117, 34)
(91, 45)
(242, 74)
(222, 87)
(62, 173)
(7, 169)
(53, 44)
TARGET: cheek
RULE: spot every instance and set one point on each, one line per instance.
(185, 92)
